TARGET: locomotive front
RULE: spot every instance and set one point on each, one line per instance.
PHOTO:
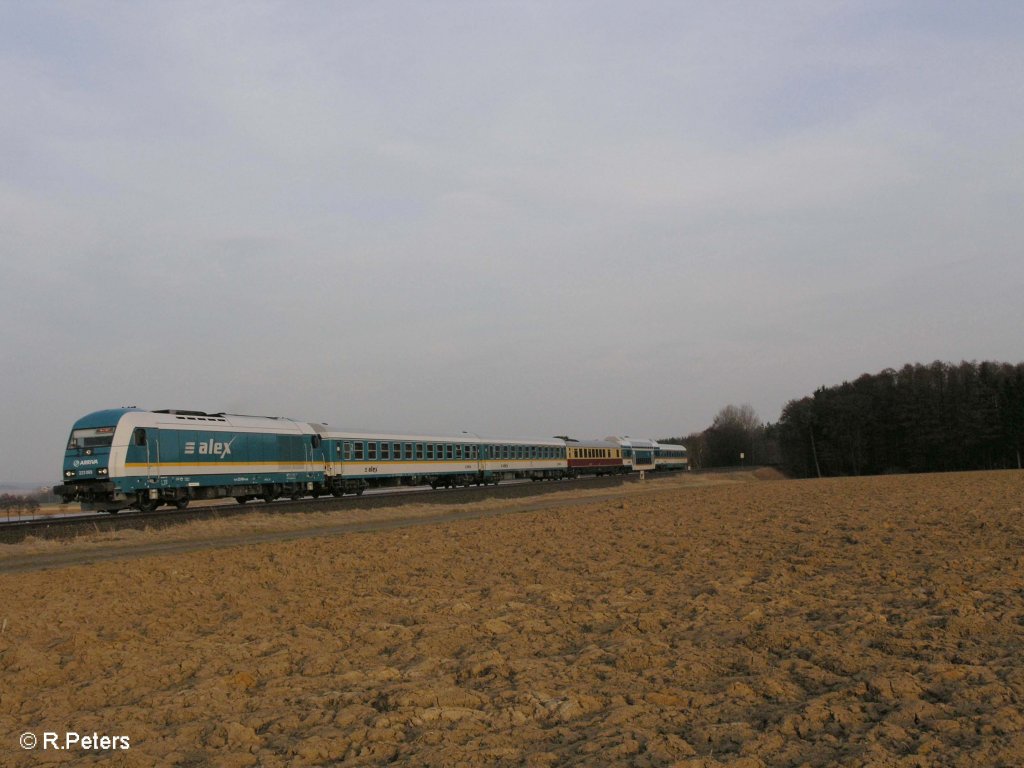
(87, 461)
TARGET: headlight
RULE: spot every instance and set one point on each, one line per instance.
(102, 471)
(69, 473)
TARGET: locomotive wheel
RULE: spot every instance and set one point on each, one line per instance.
(148, 505)
(181, 503)
(241, 499)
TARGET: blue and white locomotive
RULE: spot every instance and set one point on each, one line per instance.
(129, 457)
(133, 458)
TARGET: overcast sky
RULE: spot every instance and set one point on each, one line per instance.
(510, 218)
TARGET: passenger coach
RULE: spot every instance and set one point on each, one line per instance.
(670, 456)
(595, 457)
(361, 460)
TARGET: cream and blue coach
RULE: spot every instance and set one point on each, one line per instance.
(127, 457)
(669, 456)
(361, 460)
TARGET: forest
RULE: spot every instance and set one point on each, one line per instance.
(922, 418)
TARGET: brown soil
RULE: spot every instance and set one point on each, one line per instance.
(856, 622)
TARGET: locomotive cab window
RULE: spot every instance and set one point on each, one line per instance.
(140, 436)
(91, 438)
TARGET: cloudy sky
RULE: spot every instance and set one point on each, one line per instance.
(512, 218)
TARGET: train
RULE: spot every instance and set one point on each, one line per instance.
(132, 458)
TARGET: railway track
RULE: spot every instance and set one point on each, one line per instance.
(71, 527)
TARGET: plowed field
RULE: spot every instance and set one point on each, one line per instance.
(854, 622)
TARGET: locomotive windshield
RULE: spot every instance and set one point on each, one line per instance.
(91, 438)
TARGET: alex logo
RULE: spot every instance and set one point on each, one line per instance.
(209, 447)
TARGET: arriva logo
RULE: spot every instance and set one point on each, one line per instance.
(210, 447)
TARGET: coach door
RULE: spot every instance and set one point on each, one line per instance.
(147, 440)
(315, 459)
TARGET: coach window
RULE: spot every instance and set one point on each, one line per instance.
(419, 451)
(458, 452)
(359, 450)
(371, 451)
(449, 452)
(385, 451)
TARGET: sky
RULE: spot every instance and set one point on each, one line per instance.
(509, 218)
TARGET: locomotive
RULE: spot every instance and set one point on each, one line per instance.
(133, 458)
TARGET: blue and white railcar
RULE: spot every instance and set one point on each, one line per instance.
(127, 457)
(669, 457)
(637, 453)
(360, 460)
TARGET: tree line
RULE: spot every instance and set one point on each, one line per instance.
(735, 438)
(12, 504)
(922, 418)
